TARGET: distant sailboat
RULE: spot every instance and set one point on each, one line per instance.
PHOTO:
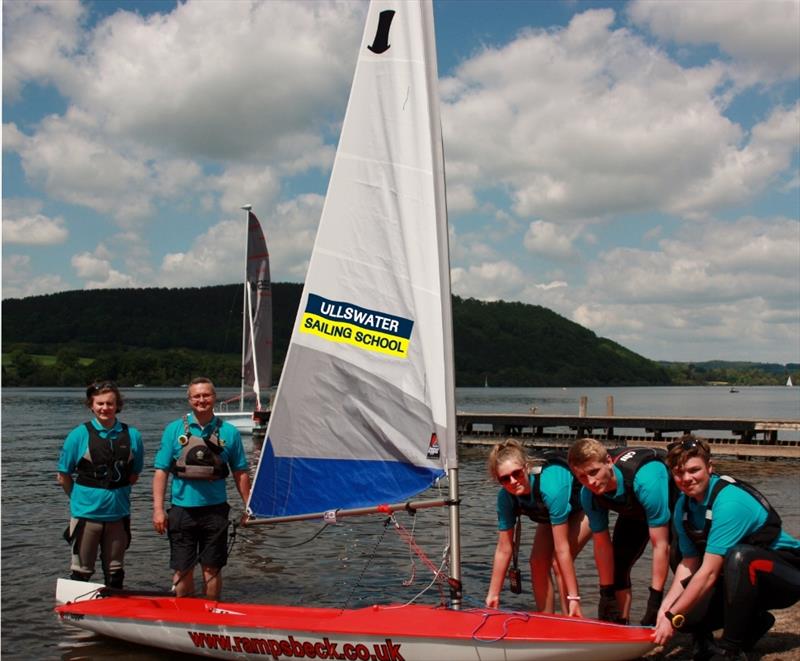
(486, 382)
(256, 376)
(789, 383)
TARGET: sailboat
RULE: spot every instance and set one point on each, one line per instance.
(364, 416)
(789, 382)
(256, 374)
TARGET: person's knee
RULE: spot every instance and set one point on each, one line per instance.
(739, 556)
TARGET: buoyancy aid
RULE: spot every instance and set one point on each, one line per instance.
(535, 508)
(107, 462)
(200, 457)
(763, 537)
(629, 461)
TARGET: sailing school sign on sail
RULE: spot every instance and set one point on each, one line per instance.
(366, 329)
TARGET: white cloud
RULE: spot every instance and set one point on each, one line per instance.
(38, 36)
(213, 257)
(740, 173)
(244, 184)
(97, 272)
(591, 122)
(487, 281)
(703, 293)
(550, 240)
(152, 100)
(13, 138)
(34, 230)
(217, 255)
(20, 280)
(762, 37)
(183, 79)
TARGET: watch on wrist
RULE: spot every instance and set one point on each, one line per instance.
(677, 620)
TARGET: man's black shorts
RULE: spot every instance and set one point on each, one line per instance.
(198, 535)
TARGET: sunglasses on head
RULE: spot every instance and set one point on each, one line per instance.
(106, 385)
(518, 475)
(688, 444)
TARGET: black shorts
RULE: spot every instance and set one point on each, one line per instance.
(198, 535)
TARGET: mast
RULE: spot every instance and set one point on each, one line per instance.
(245, 305)
(432, 82)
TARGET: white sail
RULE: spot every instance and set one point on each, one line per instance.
(365, 407)
(789, 382)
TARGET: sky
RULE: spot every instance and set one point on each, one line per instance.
(633, 166)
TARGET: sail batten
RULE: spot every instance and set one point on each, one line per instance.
(364, 412)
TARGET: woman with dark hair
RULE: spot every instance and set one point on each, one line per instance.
(100, 461)
(548, 495)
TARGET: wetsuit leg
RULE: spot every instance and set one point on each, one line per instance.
(756, 580)
(629, 541)
(112, 551)
(84, 547)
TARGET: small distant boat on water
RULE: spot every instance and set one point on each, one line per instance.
(256, 331)
(138, 385)
(789, 383)
(733, 389)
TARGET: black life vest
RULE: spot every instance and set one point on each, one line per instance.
(535, 507)
(763, 537)
(107, 462)
(629, 461)
(200, 457)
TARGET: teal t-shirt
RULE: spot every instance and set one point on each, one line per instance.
(555, 485)
(196, 493)
(735, 515)
(651, 489)
(92, 502)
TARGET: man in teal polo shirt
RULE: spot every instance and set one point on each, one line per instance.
(635, 484)
(737, 565)
(200, 451)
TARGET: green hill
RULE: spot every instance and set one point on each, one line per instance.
(166, 336)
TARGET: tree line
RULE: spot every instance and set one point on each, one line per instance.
(164, 337)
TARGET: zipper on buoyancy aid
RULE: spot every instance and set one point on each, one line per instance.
(763, 537)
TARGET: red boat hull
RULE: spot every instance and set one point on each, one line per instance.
(378, 633)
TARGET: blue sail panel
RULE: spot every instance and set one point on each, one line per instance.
(298, 485)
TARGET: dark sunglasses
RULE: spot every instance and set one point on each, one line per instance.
(106, 385)
(518, 475)
(688, 444)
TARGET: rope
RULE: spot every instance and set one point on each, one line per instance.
(409, 539)
(282, 545)
(510, 616)
(367, 564)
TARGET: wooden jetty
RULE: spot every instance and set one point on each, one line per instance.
(743, 438)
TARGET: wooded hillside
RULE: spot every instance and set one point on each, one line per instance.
(166, 336)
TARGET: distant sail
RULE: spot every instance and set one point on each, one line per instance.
(257, 356)
(789, 383)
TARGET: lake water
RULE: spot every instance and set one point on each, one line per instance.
(354, 563)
